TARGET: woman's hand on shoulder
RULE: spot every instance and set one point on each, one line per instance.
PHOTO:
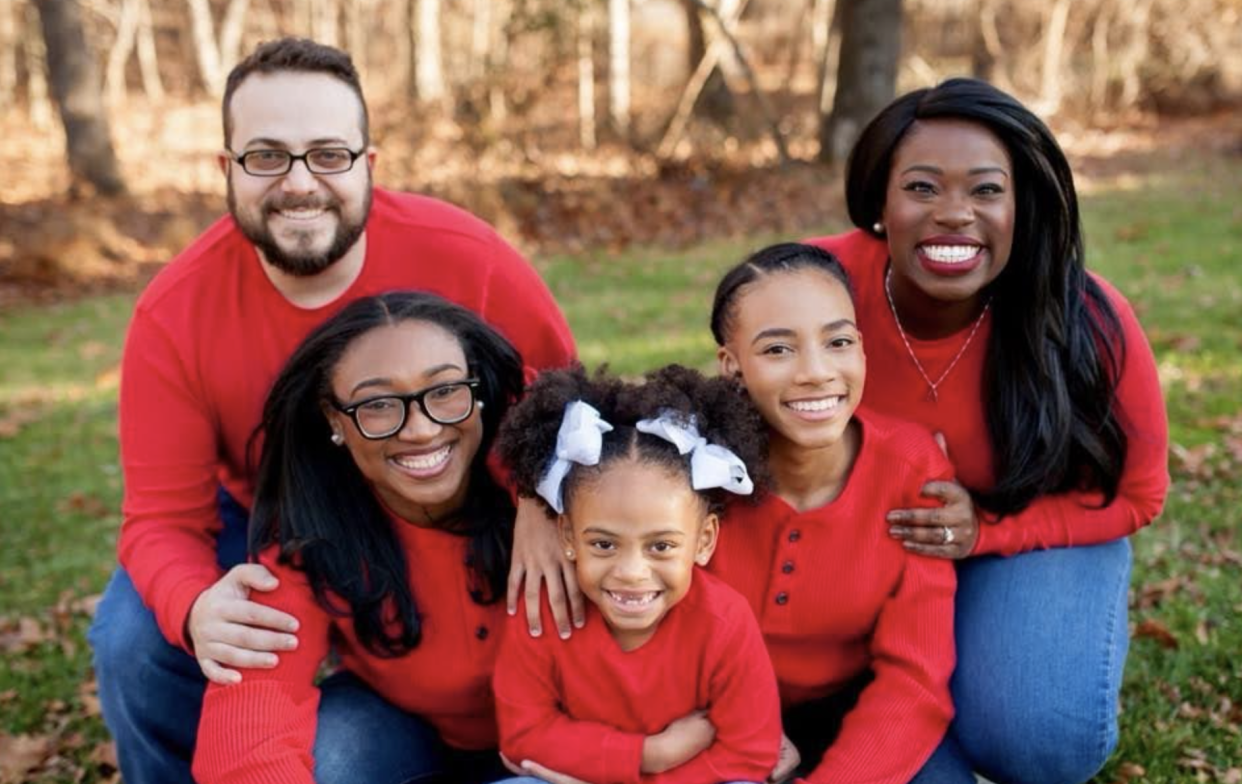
(538, 559)
(947, 531)
(227, 629)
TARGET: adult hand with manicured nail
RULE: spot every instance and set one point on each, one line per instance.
(947, 531)
(227, 629)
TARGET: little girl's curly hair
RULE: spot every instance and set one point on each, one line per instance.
(721, 412)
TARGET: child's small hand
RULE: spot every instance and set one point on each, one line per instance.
(532, 768)
(679, 743)
(786, 762)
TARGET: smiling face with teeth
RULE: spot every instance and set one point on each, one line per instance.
(796, 348)
(636, 530)
(422, 472)
(301, 223)
(949, 216)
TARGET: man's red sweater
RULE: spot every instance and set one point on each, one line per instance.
(895, 387)
(262, 730)
(209, 336)
(836, 596)
(583, 706)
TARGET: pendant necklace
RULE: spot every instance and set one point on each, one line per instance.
(932, 386)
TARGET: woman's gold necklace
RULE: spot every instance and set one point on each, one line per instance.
(932, 386)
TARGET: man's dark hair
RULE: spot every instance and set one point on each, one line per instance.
(300, 55)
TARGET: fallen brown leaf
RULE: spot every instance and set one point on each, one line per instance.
(1155, 630)
(20, 754)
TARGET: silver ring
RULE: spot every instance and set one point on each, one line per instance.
(947, 538)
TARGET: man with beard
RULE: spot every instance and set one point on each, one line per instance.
(307, 233)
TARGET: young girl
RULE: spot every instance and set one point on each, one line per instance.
(859, 629)
(668, 681)
(375, 509)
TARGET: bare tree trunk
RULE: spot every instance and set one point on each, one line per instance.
(202, 29)
(147, 62)
(480, 38)
(356, 13)
(716, 102)
(1099, 56)
(326, 20)
(215, 59)
(126, 35)
(75, 86)
(867, 81)
(1054, 46)
(231, 31)
(430, 61)
(760, 100)
(697, 84)
(498, 61)
(619, 65)
(985, 48)
(40, 106)
(8, 55)
(586, 79)
(1134, 55)
(829, 20)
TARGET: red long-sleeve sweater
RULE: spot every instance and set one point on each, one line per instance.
(836, 595)
(583, 706)
(894, 386)
(209, 336)
(262, 730)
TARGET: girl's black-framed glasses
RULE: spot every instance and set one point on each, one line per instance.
(384, 415)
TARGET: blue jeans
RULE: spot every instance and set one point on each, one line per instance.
(1041, 645)
(151, 693)
(533, 780)
(813, 726)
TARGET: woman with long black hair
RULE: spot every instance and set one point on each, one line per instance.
(376, 510)
(970, 282)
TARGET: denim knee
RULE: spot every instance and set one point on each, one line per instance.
(1042, 642)
(150, 691)
(362, 737)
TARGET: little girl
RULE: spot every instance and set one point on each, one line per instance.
(668, 681)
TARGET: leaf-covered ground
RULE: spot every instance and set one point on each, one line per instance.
(1169, 235)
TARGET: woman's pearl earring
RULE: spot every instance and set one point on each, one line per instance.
(877, 227)
(569, 554)
(701, 560)
(337, 438)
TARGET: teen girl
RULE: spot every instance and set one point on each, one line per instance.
(375, 509)
(668, 680)
(860, 629)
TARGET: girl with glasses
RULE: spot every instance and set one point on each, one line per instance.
(391, 540)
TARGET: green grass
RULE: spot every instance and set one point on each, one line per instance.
(1170, 242)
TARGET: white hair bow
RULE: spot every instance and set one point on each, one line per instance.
(711, 465)
(579, 440)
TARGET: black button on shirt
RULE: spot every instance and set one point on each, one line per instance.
(782, 598)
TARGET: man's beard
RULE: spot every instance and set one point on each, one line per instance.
(301, 263)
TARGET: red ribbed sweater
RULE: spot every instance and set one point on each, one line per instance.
(209, 336)
(836, 595)
(583, 706)
(262, 730)
(895, 387)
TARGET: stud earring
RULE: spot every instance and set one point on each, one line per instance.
(479, 404)
(337, 438)
(701, 560)
(877, 227)
(569, 554)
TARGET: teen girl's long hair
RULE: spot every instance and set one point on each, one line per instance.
(1056, 347)
(314, 503)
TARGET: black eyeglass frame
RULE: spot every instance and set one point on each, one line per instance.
(414, 397)
(240, 159)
